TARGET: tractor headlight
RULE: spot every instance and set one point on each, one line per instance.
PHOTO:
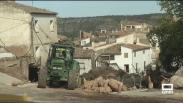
(54, 67)
(57, 68)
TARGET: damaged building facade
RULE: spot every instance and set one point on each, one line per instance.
(24, 32)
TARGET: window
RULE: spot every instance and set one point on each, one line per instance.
(105, 57)
(134, 54)
(125, 55)
(143, 51)
(36, 26)
(51, 25)
(112, 57)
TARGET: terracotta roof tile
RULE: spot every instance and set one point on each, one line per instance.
(83, 53)
(111, 50)
(121, 33)
(135, 47)
(116, 49)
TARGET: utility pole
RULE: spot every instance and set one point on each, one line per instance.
(32, 2)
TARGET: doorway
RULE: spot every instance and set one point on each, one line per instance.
(126, 68)
(33, 73)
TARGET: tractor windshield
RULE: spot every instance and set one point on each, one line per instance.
(63, 53)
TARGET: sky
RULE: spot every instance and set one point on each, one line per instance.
(97, 8)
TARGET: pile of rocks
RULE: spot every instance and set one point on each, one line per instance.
(177, 79)
(102, 85)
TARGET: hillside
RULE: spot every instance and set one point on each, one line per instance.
(71, 26)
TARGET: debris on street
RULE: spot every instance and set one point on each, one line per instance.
(8, 80)
(102, 85)
(105, 72)
(177, 79)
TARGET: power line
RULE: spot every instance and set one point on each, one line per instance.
(12, 27)
(47, 35)
(39, 40)
(14, 19)
(32, 3)
(4, 45)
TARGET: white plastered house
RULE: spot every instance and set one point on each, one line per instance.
(133, 58)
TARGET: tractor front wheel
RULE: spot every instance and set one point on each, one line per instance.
(74, 79)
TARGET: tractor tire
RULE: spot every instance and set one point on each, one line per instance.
(74, 79)
(42, 77)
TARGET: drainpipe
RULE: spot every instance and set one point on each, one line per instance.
(132, 58)
(31, 37)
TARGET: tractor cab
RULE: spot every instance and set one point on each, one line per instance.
(58, 51)
(61, 66)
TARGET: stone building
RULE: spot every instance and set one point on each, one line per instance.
(25, 29)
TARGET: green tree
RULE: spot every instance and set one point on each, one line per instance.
(172, 7)
(170, 35)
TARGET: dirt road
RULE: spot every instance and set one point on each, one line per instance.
(61, 95)
(7, 80)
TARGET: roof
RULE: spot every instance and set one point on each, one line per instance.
(121, 33)
(99, 39)
(110, 50)
(62, 37)
(85, 35)
(113, 50)
(135, 47)
(131, 22)
(81, 53)
(28, 9)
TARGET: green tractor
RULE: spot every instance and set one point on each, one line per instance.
(60, 67)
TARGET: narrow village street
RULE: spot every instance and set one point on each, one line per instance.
(61, 95)
(112, 52)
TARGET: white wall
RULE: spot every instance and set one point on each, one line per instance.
(14, 26)
(138, 26)
(131, 60)
(140, 58)
(85, 41)
(45, 34)
(121, 61)
(87, 65)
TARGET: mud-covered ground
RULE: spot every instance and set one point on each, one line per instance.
(61, 95)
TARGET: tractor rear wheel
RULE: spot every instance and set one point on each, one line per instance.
(74, 79)
(42, 75)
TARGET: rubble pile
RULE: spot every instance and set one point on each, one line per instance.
(102, 85)
(131, 80)
(105, 72)
(177, 79)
